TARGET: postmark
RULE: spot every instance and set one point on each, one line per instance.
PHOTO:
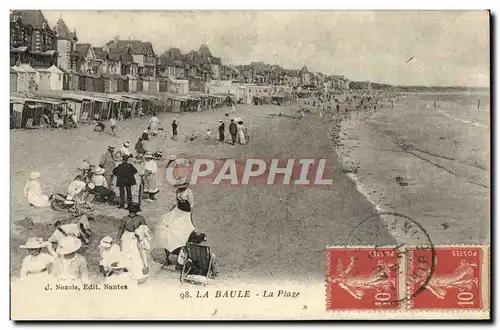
(362, 278)
(457, 281)
(408, 235)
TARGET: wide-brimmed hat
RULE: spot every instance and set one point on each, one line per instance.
(134, 207)
(148, 155)
(34, 175)
(126, 144)
(159, 152)
(111, 147)
(173, 157)
(68, 244)
(181, 183)
(106, 242)
(220, 120)
(99, 170)
(33, 243)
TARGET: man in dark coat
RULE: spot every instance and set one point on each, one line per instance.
(222, 128)
(233, 130)
(174, 130)
(125, 179)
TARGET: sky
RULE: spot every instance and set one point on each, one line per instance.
(449, 48)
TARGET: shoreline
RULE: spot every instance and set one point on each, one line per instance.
(427, 179)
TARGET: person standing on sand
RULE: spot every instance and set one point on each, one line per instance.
(133, 256)
(222, 128)
(108, 163)
(233, 130)
(174, 130)
(153, 124)
(125, 179)
(112, 125)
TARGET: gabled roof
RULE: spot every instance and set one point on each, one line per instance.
(149, 48)
(137, 47)
(205, 51)
(82, 49)
(115, 54)
(99, 53)
(34, 18)
(63, 31)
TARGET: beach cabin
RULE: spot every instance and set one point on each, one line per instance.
(32, 76)
(56, 78)
(13, 81)
(22, 78)
(43, 79)
(132, 83)
(181, 86)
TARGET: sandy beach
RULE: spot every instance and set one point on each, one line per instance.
(256, 231)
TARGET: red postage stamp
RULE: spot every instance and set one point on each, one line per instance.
(362, 278)
(455, 280)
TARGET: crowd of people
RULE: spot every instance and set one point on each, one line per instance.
(125, 257)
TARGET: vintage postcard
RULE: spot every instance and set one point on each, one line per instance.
(249, 165)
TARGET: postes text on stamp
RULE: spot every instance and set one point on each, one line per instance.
(362, 279)
(456, 280)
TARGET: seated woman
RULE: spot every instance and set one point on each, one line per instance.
(78, 194)
(33, 192)
(140, 148)
(57, 120)
(100, 187)
(70, 267)
(37, 265)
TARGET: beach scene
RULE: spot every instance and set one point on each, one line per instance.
(396, 146)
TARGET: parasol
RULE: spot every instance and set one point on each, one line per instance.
(174, 229)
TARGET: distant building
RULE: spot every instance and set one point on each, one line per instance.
(31, 39)
(142, 54)
(66, 46)
(305, 76)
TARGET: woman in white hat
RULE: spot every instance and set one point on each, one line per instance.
(37, 264)
(78, 194)
(70, 267)
(33, 192)
(100, 186)
(110, 255)
(125, 149)
(150, 170)
(173, 230)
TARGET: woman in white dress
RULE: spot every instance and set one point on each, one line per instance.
(241, 133)
(153, 124)
(174, 228)
(37, 265)
(33, 192)
(133, 254)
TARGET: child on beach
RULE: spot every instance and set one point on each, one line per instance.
(208, 134)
